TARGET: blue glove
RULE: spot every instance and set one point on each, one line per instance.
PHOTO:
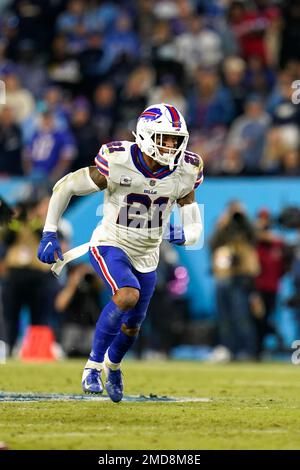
(48, 246)
(176, 235)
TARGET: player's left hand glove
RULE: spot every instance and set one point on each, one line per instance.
(48, 247)
(176, 235)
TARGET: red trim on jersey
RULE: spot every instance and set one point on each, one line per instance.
(104, 270)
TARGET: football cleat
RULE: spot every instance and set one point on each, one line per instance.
(114, 384)
(91, 381)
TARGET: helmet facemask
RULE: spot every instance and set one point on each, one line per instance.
(167, 155)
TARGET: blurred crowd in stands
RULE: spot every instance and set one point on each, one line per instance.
(78, 73)
(249, 259)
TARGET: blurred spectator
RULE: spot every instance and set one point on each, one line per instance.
(55, 101)
(101, 16)
(280, 104)
(234, 69)
(230, 45)
(273, 36)
(85, 135)
(25, 277)
(52, 284)
(165, 9)
(10, 31)
(235, 266)
(185, 9)
(290, 42)
(294, 301)
(281, 155)
(292, 69)
(133, 98)
(68, 20)
(283, 139)
(236, 18)
(251, 25)
(209, 104)
(145, 22)
(291, 162)
(63, 67)
(32, 22)
(31, 68)
(104, 111)
(10, 144)
(79, 302)
(90, 61)
(210, 143)
(168, 92)
(246, 139)
(163, 53)
(18, 98)
(272, 259)
(120, 43)
(259, 77)
(198, 46)
(5, 63)
(50, 152)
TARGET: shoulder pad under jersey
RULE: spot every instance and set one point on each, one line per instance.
(112, 153)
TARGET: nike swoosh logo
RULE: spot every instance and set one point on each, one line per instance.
(86, 385)
(48, 244)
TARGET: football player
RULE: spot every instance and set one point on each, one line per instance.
(142, 181)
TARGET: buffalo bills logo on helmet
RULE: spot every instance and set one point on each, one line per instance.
(151, 114)
(175, 117)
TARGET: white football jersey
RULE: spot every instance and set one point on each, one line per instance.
(138, 202)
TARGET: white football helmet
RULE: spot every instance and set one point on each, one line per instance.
(156, 122)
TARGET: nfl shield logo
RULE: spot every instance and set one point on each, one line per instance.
(152, 182)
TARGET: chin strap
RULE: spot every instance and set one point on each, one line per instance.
(171, 165)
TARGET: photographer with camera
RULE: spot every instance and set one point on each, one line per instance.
(235, 266)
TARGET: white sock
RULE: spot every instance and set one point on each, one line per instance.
(94, 365)
(111, 365)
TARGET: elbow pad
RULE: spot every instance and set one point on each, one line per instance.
(191, 222)
(78, 183)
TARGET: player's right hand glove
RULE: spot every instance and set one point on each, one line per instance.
(48, 247)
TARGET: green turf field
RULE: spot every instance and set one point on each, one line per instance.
(254, 406)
